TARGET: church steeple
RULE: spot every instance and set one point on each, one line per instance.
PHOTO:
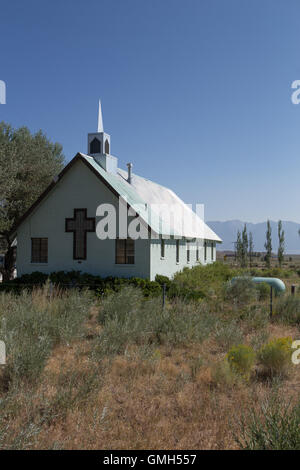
(100, 120)
(99, 146)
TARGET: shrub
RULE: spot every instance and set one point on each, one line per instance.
(259, 339)
(275, 356)
(263, 290)
(241, 360)
(228, 334)
(163, 280)
(71, 279)
(255, 317)
(200, 281)
(288, 310)
(241, 291)
(30, 324)
(119, 305)
(275, 426)
(222, 375)
(127, 319)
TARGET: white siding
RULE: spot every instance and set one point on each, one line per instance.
(79, 188)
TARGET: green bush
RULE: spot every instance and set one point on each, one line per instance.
(288, 310)
(120, 304)
(241, 291)
(228, 334)
(263, 290)
(255, 317)
(275, 357)
(200, 281)
(275, 426)
(101, 286)
(241, 360)
(127, 318)
(31, 324)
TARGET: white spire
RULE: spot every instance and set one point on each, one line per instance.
(100, 120)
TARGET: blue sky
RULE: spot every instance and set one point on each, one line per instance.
(197, 94)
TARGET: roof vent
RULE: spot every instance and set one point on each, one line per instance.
(129, 166)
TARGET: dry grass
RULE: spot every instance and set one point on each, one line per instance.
(146, 404)
(157, 396)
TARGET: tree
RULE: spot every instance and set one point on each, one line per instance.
(251, 248)
(238, 247)
(268, 245)
(28, 164)
(280, 244)
(244, 248)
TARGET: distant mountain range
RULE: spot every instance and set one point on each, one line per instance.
(228, 231)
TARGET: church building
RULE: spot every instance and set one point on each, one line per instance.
(99, 219)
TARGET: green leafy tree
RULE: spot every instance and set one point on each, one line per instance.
(268, 245)
(280, 252)
(28, 164)
(251, 248)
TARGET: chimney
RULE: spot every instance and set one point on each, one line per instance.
(129, 166)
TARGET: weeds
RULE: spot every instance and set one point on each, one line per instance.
(146, 322)
(240, 291)
(143, 368)
(31, 324)
(274, 426)
(288, 310)
(228, 334)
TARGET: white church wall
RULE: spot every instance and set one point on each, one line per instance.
(48, 221)
(168, 265)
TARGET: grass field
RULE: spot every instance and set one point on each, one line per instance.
(124, 373)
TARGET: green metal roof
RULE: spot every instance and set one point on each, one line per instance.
(128, 193)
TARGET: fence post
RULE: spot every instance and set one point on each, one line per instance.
(293, 289)
(271, 301)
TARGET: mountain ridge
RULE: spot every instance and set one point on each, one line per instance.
(227, 230)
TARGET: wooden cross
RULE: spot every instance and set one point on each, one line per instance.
(80, 225)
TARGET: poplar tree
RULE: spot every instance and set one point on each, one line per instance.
(280, 243)
(238, 247)
(268, 245)
(251, 248)
(244, 248)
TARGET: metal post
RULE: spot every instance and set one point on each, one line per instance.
(164, 294)
(293, 289)
(271, 301)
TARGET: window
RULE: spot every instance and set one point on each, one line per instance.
(188, 252)
(205, 250)
(197, 252)
(107, 147)
(162, 248)
(177, 251)
(95, 146)
(39, 250)
(125, 251)
(212, 251)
